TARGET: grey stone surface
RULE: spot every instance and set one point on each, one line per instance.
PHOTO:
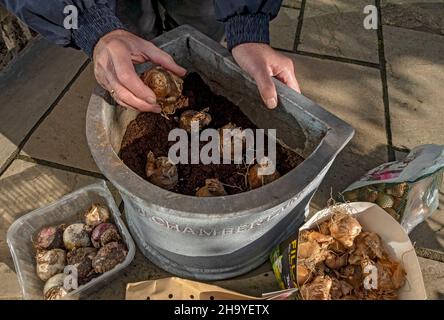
(415, 73)
(433, 275)
(28, 88)
(61, 138)
(336, 28)
(24, 187)
(283, 29)
(296, 4)
(417, 15)
(353, 93)
(255, 283)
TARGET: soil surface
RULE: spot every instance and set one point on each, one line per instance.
(149, 132)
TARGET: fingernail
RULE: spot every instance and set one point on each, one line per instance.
(271, 103)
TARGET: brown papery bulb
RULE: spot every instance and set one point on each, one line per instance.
(161, 172)
(97, 215)
(167, 88)
(318, 289)
(230, 140)
(256, 180)
(344, 228)
(189, 116)
(212, 188)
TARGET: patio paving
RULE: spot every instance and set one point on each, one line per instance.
(336, 28)
(29, 88)
(393, 107)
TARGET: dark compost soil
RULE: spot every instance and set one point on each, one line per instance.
(149, 132)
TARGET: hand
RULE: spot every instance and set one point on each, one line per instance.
(114, 57)
(262, 62)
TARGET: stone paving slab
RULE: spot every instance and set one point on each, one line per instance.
(283, 29)
(61, 138)
(254, 283)
(433, 275)
(28, 88)
(336, 28)
(295, 4)
(412, 14)
(24, 187)
(353, 93)
(415, 73)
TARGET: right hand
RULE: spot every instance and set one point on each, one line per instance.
(114, 57)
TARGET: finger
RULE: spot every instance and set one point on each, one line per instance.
(162, 58)
(127, 99)
(266, 88)
(127, 76)
(288, 77)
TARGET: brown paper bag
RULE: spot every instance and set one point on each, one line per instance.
(182, 289)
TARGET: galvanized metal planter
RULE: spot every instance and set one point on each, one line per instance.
(216, 238)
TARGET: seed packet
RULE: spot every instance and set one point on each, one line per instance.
(408, 189)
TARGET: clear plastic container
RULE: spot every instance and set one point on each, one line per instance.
(68, 209)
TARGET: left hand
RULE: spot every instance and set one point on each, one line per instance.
(262, 62)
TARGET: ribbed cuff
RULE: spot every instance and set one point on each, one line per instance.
(94, 23)
(247, 28)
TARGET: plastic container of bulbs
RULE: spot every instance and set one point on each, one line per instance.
(69, 209)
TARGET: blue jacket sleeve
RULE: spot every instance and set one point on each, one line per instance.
(247, 20)
(95, 19)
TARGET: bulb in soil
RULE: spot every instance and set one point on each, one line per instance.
(50, 262)
(109, 256)
(212, 188)
(161, 172)
(256, 180)
(104, 233)
(344, 228)
(189, 116)
(229, 136)
(97, 215)
(50, 238)
(167, 88)
(76, 236)
(318, 289)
